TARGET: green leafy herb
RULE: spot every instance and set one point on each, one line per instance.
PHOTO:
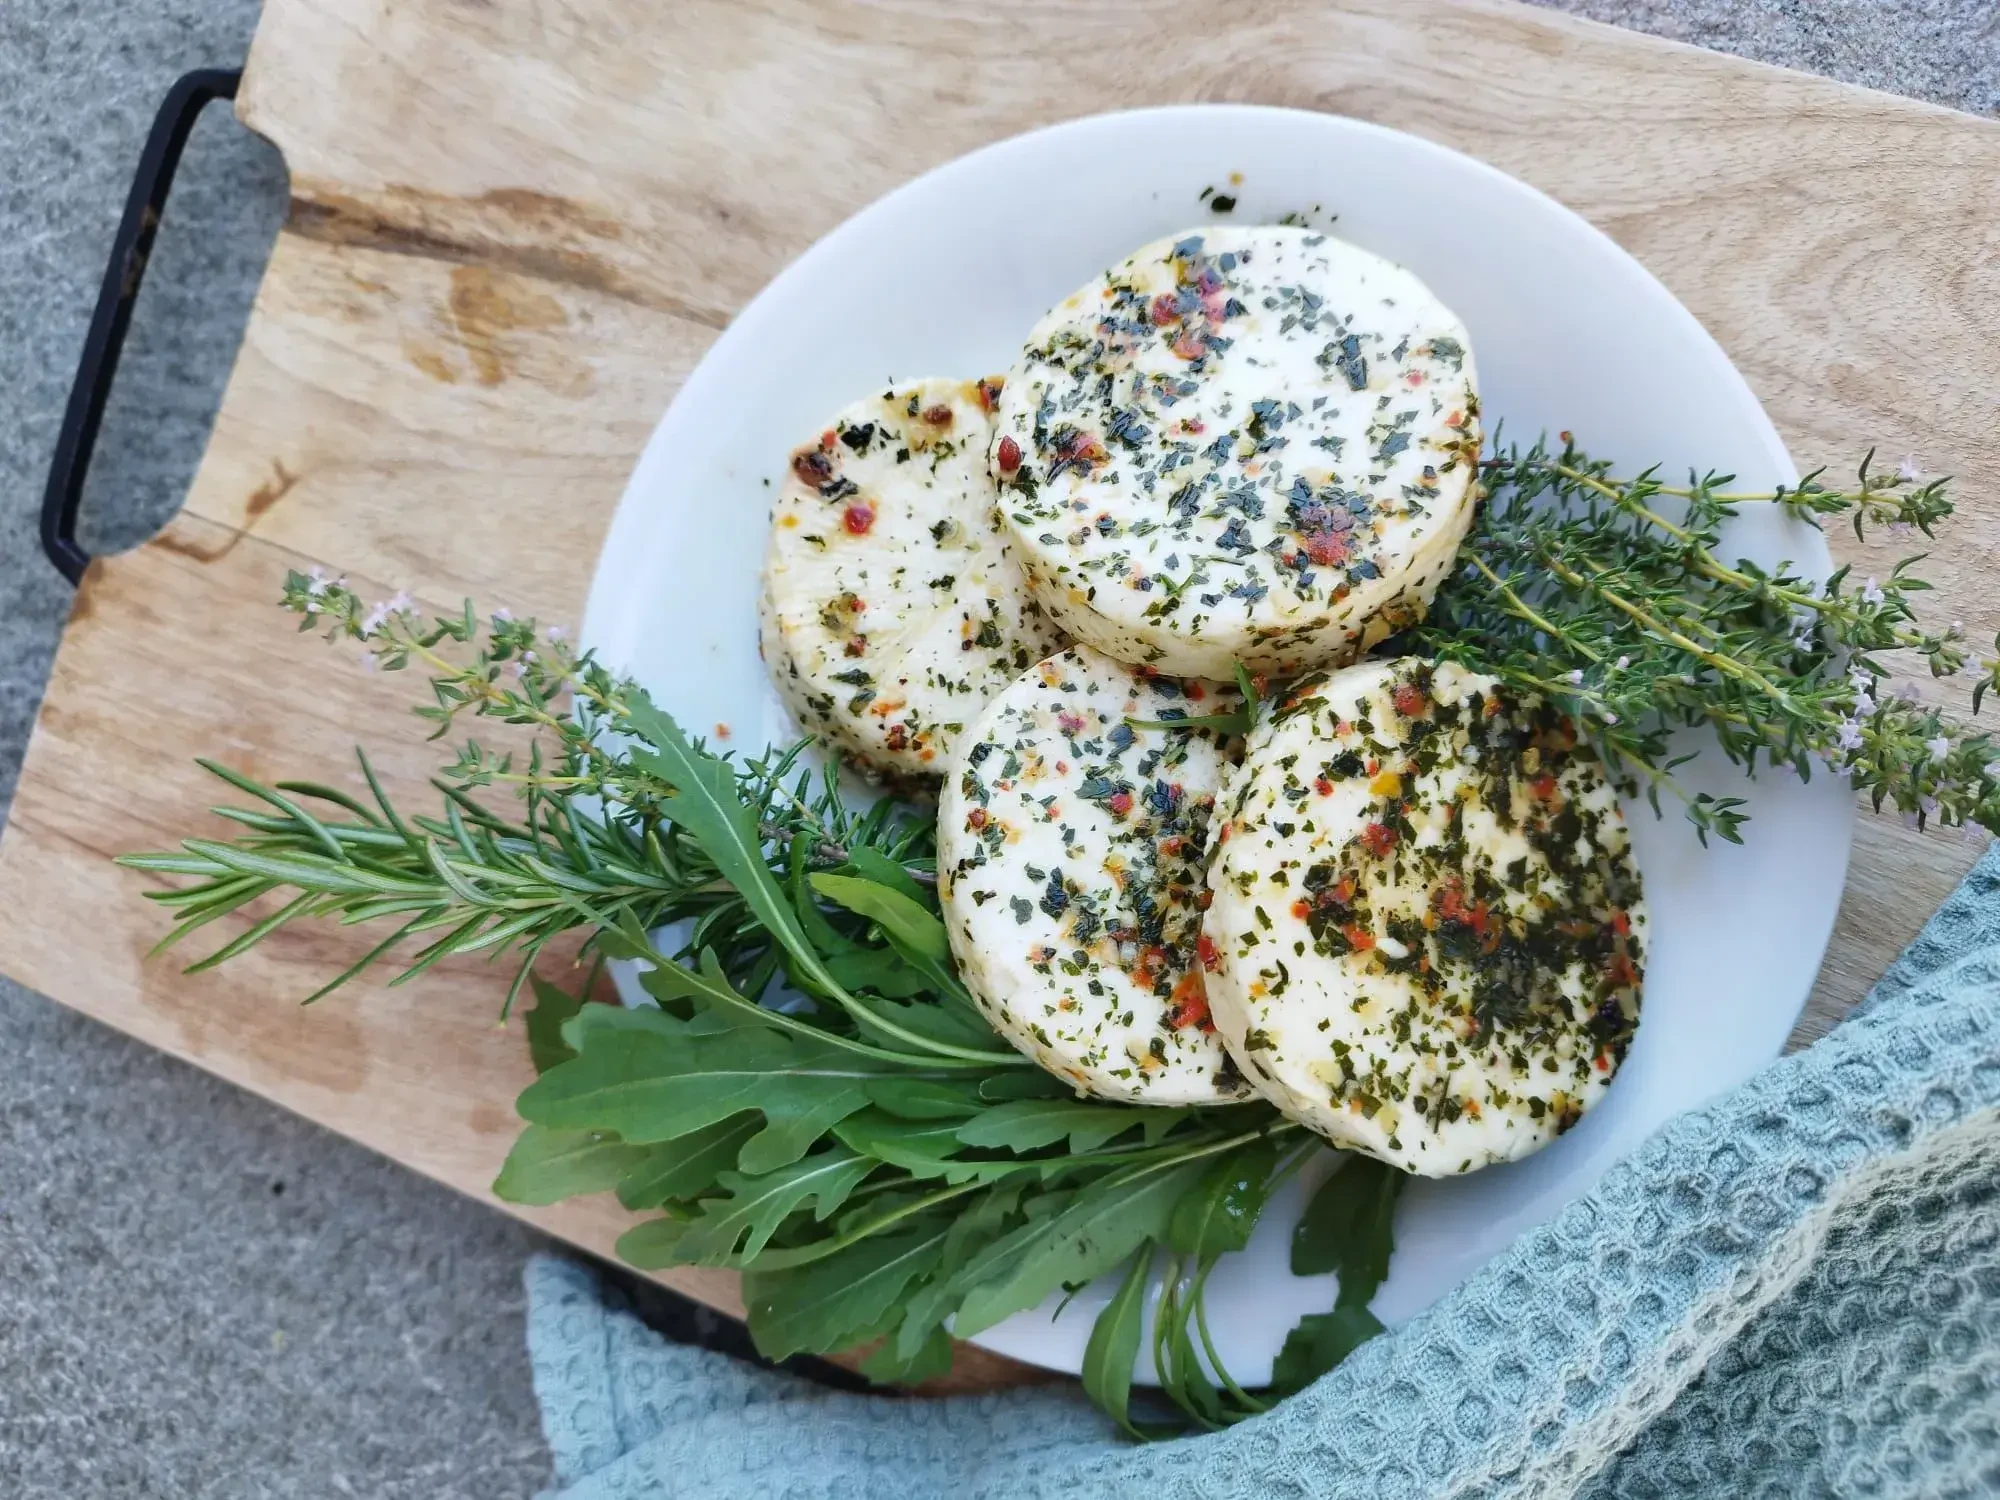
(814, 1100)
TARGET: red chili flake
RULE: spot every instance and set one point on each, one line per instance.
(1544, 787)
(989, 391)
(1414, 379)
(1456, 419)
(1166, 309)
(1302, 908)
(1339, 893)
(1603, 1063)
(1567, 439)
(1204, 898)
(812, 466)
(1330, 548)
(1009, 454)
(826, 439)
(1192, 344)
(1190, 1004)
(1360, 939)
(856, 646)
(1323, 786)
(1378, 839)
(1411, 701)
(977, 818)
(1452, 907)
(938, 415)
(1120, 803)
(1069, 723)
(1621, 923)
(1620, 970)
(899, 737)
(1082, 449)
(1204, 948)
(858, 518)
(1196, 692)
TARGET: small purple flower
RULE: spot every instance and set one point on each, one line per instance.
(1610, 717)
(1624, 662)
(1575, 677)
(1850, 735)
(1909, 470)
(1872, 593)
(555, 633)
(502, 615)
(1937, 747)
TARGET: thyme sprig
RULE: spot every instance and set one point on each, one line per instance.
(1618, 598)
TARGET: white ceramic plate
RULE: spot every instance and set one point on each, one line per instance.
(945, 276)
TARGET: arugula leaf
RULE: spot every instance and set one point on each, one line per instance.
(1347, 1228)
(1024, 1083)
(923, 1148)
(1223, 1209)
(918, 937)
(923, 1099)
(683, 1169)
(932, 1359)
(1081, 1243)
(1114, 1342)
(651, 1087)
(830, 1303)
(900, 916)
(650, 1246)
(553, 1006)
(707, 806)
(882, 970)
(988, 1216)
(1318, 1343)
(873, 864)
(547, 1166)
(1029, 1124)
(734, 1228)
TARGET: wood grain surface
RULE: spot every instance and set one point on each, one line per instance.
(516, 226)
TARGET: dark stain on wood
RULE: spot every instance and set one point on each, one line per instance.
(486, 306)
(516, 230)
(270, 492)
(181, 546)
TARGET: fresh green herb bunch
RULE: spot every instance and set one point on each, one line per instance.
(815, 1101)
(1612, 597)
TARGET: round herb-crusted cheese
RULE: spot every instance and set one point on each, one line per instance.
(891, 612)
(1070, 855)
(1251, 445)
(1427, 918)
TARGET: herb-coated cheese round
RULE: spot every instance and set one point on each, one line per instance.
(1250, 445)
(891, 612)
(1427, 919)
(1071, 847)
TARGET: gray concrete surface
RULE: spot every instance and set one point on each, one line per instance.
(200, 1295)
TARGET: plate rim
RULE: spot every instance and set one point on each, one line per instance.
(618, 560)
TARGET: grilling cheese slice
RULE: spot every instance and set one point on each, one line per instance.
(1070, 855)
(891, 612)
(1251, 445)
(1427, 919)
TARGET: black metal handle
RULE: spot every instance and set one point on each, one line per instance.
(106, 339)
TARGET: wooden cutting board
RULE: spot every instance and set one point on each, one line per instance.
(517, 224)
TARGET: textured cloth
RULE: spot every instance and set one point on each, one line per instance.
(1793, 1291)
